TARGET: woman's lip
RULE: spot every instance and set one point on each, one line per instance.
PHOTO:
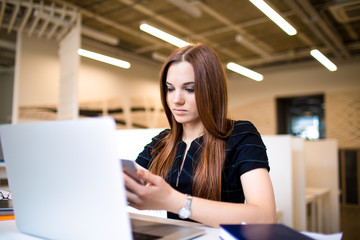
(179, 110)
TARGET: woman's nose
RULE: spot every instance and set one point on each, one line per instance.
(178, 97)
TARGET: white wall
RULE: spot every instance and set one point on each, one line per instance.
(298, 79)
(39, 78)
(39, 75)
(322, 171)
(100, 81)
(287, 172)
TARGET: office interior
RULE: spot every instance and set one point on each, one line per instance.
(296, 88)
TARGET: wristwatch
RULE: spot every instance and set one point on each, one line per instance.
(185, 212)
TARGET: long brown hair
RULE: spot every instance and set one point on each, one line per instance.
(211, 101)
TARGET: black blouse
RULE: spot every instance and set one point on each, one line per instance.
(245, 151)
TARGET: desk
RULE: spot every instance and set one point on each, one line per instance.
(311, 201)
(321, 196)
(8, 230)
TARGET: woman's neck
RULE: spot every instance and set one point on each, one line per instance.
(191, 132)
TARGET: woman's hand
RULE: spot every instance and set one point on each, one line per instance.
(157, 194)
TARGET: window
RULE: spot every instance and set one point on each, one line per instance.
(301, 116)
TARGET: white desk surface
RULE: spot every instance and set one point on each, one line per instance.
(9, 231)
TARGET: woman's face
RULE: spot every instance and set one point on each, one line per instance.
(180, 84)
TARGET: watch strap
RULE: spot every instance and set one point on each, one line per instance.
(188, 202)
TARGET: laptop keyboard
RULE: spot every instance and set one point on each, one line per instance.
(144, 236)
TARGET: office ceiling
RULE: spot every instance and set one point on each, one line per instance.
(236, 29)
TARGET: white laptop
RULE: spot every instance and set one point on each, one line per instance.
(66, 181)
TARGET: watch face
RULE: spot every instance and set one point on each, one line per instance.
(184, 213)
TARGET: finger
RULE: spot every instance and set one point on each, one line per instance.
(131, 198)
(130, 183)
(147, 176)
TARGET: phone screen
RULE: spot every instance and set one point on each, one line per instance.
(130, 169)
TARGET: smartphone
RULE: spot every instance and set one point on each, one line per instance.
(129, 168)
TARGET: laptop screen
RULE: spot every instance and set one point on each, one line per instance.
(65, 179)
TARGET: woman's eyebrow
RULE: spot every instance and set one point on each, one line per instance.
(187, 83)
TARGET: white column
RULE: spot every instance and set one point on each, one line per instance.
(15, 102)
(69, 70)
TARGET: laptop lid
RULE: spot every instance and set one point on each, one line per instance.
(65, 179)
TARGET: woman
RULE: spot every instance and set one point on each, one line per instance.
(205, 166)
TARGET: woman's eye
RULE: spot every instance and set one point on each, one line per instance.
(189, 89)
(170, 89)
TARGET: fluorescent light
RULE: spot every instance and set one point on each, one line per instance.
(274, 16)
(103, 58)
(158, 57)
(103, 37)
(163, 35)
(244, 71)
(187, 7)
(323, 60)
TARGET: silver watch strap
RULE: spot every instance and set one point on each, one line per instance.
(188, 202)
